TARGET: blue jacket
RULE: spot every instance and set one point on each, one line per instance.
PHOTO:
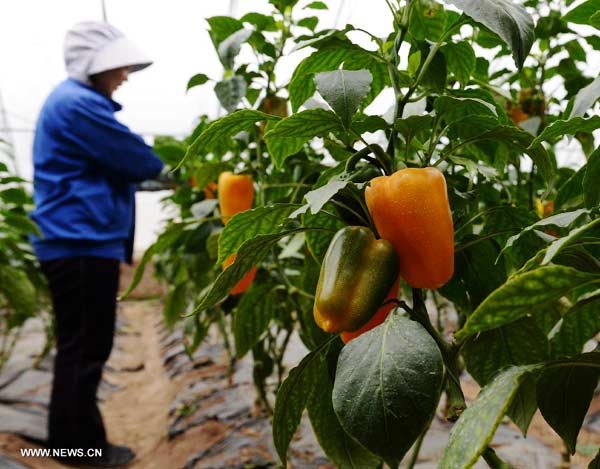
(86, 166)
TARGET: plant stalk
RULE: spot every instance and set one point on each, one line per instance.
(493, 460)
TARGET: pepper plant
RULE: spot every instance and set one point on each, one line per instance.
(483, 93)
(186, 254)
(23, 292)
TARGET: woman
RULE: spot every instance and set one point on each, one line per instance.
(86, 166)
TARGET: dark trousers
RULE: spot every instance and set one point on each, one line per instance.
(84, 292)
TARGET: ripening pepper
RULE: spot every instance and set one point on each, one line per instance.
(410, 209)
(236, 194)
(209, 190)
(356, 275)
(245, 282)
(517, 115)
(378, 318)
(544, 208)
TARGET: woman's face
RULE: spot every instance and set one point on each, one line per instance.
(107, 82)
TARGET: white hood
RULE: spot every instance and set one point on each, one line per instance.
(93, 47)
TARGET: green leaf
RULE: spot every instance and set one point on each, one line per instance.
(19, 293)
(454, 109)
(580, 258)
(382, 401)
(522, 294)
(175, 304)
(435, 77)
(414, 62)
(262, 22)
(557, 246)
(507, 19)
(14, 195)
(560, 128)
(581, 14)
(362, 124)
(302, 85)
(21, 223)
(169, 150)
(476, 427)
(195, 332)
(252, 317)
(266, 220)
(317, 198)
(212, 244)
(230, 47)
(317, 6)
(225, 128)
(11, 179)
(222, 27)
(472, 128)
(342, 450)
(324, 38)
(230, 92)
(412, 126)
(206, 173)
(377, 68)
(521, 342)
(595, 20)
(427, 20)
(561, 220)
(318, 241)
(570, 194)
(476, 269)
(474, 168)
(311, 22)
(461, 60)
(524, 404)
(522, 141)
(507, 218)
(292, 398)
(293, 248)
(564, 396)
(548, 317)
(585, 99)
(594, 40)
(580, 324)
(289, 135)
(283, 5)
(590, 180)
(197, 80)
(344, 91)
(575, 50)
(171, 236)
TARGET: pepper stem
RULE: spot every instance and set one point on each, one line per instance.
(454, 393)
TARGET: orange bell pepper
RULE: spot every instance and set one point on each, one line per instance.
(236, 194)
(410, 209)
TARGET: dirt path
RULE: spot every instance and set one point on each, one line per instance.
(136, 413)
